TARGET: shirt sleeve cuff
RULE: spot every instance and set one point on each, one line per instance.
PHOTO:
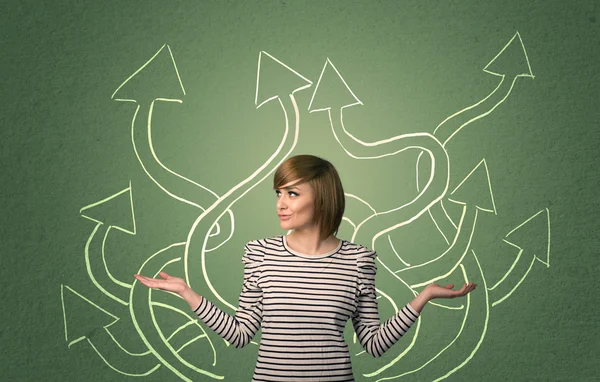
(202, 309)
(412, 310)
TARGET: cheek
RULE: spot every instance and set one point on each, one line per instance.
(307, 210)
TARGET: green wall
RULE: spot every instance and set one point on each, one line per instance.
(465, 133)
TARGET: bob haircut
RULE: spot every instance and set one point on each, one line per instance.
(329, 201)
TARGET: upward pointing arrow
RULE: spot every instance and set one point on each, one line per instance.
(533, 236)
(275, 79)
(157, 78)
(511, 61)
(332, 91)
(114, 211)
(476, 189)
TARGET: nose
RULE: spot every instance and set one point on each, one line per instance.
(280, 205)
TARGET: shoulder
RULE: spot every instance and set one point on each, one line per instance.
(365, 259)
(361, 252)
(264, 245)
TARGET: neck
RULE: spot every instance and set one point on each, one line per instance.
(308, 242)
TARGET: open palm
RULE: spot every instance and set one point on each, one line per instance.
(438, 291)
(168, 282)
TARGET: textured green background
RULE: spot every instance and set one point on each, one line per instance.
(65, 144)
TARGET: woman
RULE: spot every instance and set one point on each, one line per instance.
(302, 288)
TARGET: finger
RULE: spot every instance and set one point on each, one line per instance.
(463, 290)
(149, 282)
(144, 280)
(470, 287)
(140, 277)
(168, 277)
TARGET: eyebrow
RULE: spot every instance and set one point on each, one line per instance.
(290, 188)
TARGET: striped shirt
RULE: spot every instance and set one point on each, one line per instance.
(302, 303)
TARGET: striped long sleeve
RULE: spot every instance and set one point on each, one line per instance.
(240, 328)
(377, 338)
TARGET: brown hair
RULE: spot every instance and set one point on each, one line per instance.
(329, 201)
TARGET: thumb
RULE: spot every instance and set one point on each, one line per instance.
(449, 286)
(165, 276)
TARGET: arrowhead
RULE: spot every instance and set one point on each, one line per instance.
(275, 79)
(116, 210)
(511, 60)
(157, 78)
(331, 91)
(476, 189)
(81, 316)
(533, 236)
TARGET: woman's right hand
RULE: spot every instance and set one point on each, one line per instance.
(168, 283)
(437, 291)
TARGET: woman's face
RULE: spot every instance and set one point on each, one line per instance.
(295, 206)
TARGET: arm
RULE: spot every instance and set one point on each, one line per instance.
(377, 338)
(241, 328)
(236, 329)
(433, 291)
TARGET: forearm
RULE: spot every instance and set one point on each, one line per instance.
(375, 337)
(433, 291)
(236, 329)
(192, 298)
(418, 303)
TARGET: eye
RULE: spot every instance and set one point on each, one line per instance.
(277, 192)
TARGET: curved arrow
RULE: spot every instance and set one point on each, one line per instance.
(473, 328)
(100, 339)
(530, 237)
(186, 190)
(441, 267)
(437, 184)
(420, 275)
(477, 179)
(446, 131)
(198, 237)
(142, 312)
(95, 260)
(511, 63)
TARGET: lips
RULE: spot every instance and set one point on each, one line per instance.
(284, 217)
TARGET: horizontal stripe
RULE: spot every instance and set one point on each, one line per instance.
(302, 305)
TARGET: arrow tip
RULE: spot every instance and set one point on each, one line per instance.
(156, 78)
(533, 235)
(113, 210)
(332, 90)
(512, 60)
(275, 79)
(476, 189)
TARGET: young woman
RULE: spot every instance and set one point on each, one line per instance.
(302, 288)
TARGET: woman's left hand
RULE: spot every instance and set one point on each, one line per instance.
(168, 283)
(438, 291)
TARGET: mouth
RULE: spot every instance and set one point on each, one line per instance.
(284, 217)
